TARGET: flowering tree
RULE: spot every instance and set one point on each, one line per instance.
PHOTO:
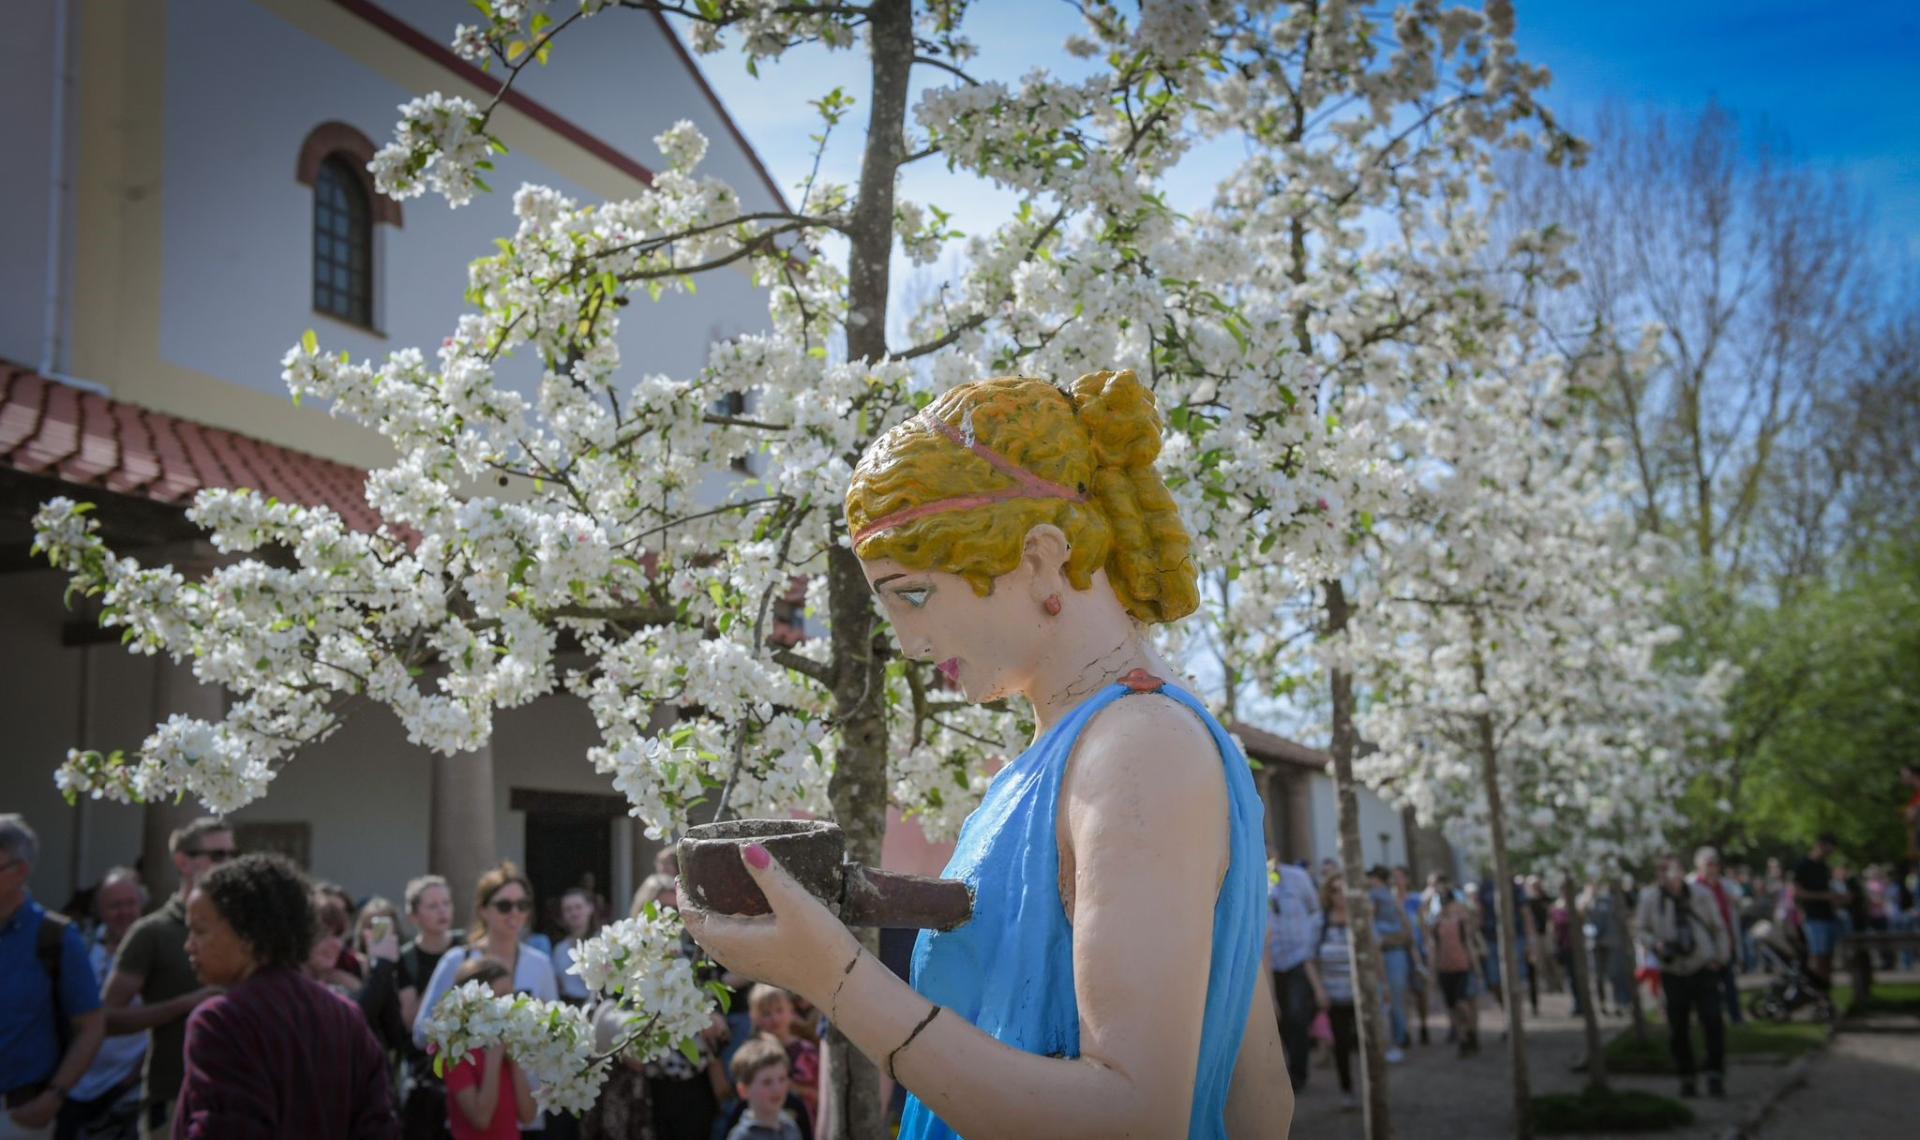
(1511, 649)
(1282, 340)
(1359, 259)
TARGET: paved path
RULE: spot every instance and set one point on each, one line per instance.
(1435, 1094)
(1866, 1086)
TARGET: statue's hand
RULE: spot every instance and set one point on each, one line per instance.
(801, 946)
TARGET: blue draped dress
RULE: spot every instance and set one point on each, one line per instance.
(1009, 970)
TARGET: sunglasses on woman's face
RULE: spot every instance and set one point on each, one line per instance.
(508, 906)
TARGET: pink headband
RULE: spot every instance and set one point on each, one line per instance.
(1026, 485)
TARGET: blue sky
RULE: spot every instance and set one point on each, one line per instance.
(1838, 80)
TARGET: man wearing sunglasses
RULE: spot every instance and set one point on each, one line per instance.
(153, 986)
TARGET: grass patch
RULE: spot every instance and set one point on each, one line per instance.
(1760, 1041)
(1887, 997)
(1621, 1110)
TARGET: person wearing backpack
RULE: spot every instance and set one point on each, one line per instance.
(50, 1020)
(1681, 923)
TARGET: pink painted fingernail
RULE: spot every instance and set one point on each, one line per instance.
(757, 857)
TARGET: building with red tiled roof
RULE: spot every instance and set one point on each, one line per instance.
(96, 443)
(186, 195)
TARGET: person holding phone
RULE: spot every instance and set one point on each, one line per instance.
(376, 941)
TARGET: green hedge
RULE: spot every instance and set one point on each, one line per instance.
(1763, 1041)
(1886, 997)
(1626, 1110)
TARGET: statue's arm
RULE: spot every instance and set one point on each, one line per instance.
(1260, 1101)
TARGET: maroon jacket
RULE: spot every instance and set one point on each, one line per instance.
(282, 1056)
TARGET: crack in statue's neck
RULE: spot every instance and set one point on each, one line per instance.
(1091, 677)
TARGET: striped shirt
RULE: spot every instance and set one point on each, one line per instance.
(1336, 963)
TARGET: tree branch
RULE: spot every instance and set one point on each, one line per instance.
(943, 65)
(805, 666)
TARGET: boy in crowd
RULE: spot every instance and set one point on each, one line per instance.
(760, 1077)
(773, 1016)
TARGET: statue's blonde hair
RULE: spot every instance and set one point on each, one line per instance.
(1100, 440)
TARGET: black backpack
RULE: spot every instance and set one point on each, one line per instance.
(53, 936)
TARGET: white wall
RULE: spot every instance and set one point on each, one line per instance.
(364, 796)
(238, 226)
(1375, 817)
(616, 76)
(26, 91)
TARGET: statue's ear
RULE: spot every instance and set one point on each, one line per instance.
(1044, 558)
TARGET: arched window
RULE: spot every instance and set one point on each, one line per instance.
(346, 275)
(342, 243)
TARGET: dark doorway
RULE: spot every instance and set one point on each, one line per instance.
(569, 843)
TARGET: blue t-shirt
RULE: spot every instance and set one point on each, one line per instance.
(1388, 920)
(29, 1040)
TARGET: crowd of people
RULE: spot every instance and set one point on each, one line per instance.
(255, 1001)
(1683, 941)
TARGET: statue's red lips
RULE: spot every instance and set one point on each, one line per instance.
(950, 668)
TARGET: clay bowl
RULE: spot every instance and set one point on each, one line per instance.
(713, 876)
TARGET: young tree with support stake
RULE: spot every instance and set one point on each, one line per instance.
(1264, 327)
(1368, 253)
(1512, 653)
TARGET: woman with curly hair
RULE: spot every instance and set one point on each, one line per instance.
(277, 1054)
(1108, 982)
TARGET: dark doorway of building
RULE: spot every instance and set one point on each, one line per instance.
(569, 843)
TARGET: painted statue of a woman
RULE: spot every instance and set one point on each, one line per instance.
(1109, 982)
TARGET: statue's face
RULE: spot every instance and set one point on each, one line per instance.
(982, 645)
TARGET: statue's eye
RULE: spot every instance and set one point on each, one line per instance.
(915, 596)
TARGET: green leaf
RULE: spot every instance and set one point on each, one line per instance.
(439, 1064)
(310, 342)
(691, 1052)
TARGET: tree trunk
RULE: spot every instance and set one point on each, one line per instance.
(1510, 986)
(1583, 985)
(858, 789)
(1367, 964)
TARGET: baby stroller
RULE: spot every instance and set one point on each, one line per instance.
(1783, 949)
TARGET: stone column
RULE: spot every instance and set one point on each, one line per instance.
(460, 828)
(620, 891)
(175, 690)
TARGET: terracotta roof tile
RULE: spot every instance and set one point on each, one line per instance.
(93, 441)
(58, 434)
(139, 465)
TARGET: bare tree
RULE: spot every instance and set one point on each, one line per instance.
(1754, 274)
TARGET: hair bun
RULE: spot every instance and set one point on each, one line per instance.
(1121, 417)
(1150, 559)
